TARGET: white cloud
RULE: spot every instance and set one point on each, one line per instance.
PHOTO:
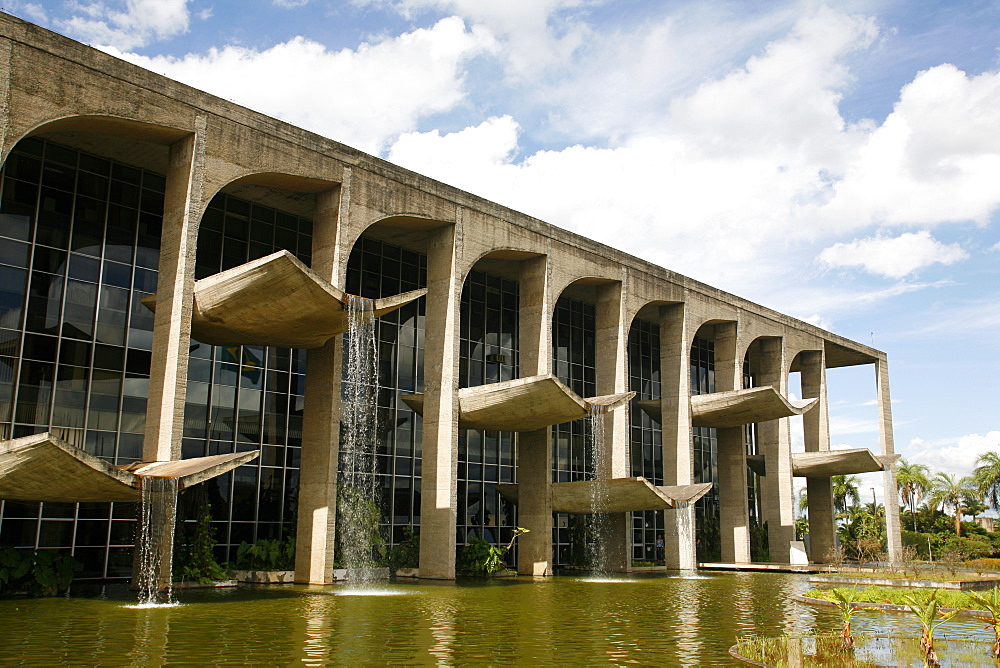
(29, 10)
(893, 257)
(289, 4)
(762, 155)
(841, 426)
(952, 456)
(361, 97)
(537, 34)
(136, 24)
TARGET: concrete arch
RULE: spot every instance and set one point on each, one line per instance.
(127, 130)
(503, 254)
(408, 230)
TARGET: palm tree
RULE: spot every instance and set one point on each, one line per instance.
(845, 488)
(913, 483)
(949, 490)
(987, 477)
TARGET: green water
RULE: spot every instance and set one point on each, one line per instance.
(655, 620)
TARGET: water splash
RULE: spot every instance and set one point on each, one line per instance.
(358, 513)
(597, 522)
(156, 541)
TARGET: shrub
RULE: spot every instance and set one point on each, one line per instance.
(267, 554)
(35, 573)
(405, 554)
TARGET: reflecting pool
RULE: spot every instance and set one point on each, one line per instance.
(661, 620)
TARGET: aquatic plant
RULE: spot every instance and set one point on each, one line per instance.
(844, 599)
(930, 616)
(991, 604)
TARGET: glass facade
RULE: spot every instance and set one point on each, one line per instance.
(377, 269)
(574, 363)
(758, 534)
(242, 398)
(646, 443)
(488, 353)
(79, 248)
(705, 454)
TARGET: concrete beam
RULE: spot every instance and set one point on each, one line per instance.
(44, 467)
(275, 301)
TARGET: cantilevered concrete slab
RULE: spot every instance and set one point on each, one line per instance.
(43, 467)
(522, 404)
(619, 495)
(736, 408)
(828, 463)
(274, 301)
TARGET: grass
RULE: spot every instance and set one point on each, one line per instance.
(947, 597)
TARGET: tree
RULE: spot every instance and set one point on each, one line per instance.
(914, 483)
(950, 490)
(845, 488)
(987, 477)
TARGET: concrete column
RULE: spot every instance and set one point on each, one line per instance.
(675, 406)
(182, 203)
(611, 349)
(775, 444)
(816, 427)
(534, 449)
(734, 513)
(892, 529)
(440, 433)
(315, 535)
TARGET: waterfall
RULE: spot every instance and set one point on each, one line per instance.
(358, 513)
(685, 536)
(156, 539)
(597, 520)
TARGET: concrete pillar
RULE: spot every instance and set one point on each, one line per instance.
(182, 203)
(440, 433)
(892, 529)
(534, 449)
(734, 513)
(816, 427)
(315, 535)
(675, 406)
(775, 444)
(611, 349)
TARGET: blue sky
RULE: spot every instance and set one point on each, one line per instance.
(834, 161)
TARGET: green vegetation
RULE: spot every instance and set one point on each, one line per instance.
(927, 609)
(479, 557)
(844, 600)
(194, 551)
(991, 604)
(947, 598)
(406, 554)
(934, 507)
(267, 554)
(35, 572)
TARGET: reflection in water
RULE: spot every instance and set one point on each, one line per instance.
(652, 620)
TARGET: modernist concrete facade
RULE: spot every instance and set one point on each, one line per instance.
(204, 159)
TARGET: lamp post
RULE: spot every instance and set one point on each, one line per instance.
(874, 505)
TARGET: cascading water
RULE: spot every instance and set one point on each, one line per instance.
(685, 534)
(597, 520)
(358, 514)
(156, 540)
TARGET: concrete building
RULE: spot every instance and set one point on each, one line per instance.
(172, 269)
